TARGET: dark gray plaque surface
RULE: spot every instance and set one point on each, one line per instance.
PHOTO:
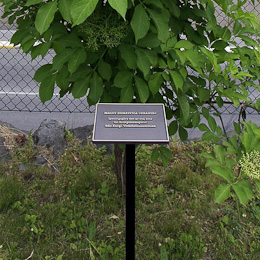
(130, 123)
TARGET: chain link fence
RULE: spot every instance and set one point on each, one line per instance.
(254, 94)
(19, 92)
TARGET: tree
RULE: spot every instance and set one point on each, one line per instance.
(144, 51)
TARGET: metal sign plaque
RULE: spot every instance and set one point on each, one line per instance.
(130, 123)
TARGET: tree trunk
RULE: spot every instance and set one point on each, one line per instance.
(120, 164)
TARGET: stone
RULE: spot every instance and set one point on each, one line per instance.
(40, 161)
(22, 167)
(51, 133)
(4, 153)
(109, 147)
(82, 133)
(85, 132)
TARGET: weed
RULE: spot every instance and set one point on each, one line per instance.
(24, 151)
(78, 213)
(11, 190)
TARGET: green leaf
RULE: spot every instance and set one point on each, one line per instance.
(161, 25)
(119, 6)
(220, 153)
(237, 27)
(155, 82)
(123, 79)
(45, 16)
(195, 59)
(27, 45)
(222, 193)
(184, 44)
(46, 89)
(207, 155)
(165, 159)
(223, 172)
(150, 40)
(92, 231)
(62, 58)
(248, 189)
(62, 81)
(203, 127)
(65, 8)
(70, 40)
(167, 152)
(142, 88)
(177, 79)
(195, 119)
(163, 253)
(212, 123)
(185, 107)
(78, 57)
(219, 101)
(128, 55)
(96, 88)
(241, 193)
(173, 8)
(33, 2)
(80, 87)
(18, 36)
(43, 72)
(205, 112)
(143, 62)
(173, 127)
(155, 154)
(40, 49)
(140, 22)
(211, 163)
(81, 10)
(81, 73)
(257, 183)
(237, 128)
(145, 59)
(183, 133)
(59, 257)
(212, 22)
(127, 94)
(104, 70)
(204, 94)
(156, 4)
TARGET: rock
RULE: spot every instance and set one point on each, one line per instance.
(109, 147)
(51, 133)
(4, 153)
(85, 132)
(22, 167)
(40, 161)
(82, 133)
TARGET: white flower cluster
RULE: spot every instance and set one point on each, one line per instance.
(250, 164)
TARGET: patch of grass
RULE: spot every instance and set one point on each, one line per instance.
(77, 212)
(11, 190)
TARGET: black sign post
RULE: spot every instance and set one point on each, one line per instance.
(130, 124)
(130, 201)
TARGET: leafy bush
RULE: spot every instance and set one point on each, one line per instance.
(237, 163)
